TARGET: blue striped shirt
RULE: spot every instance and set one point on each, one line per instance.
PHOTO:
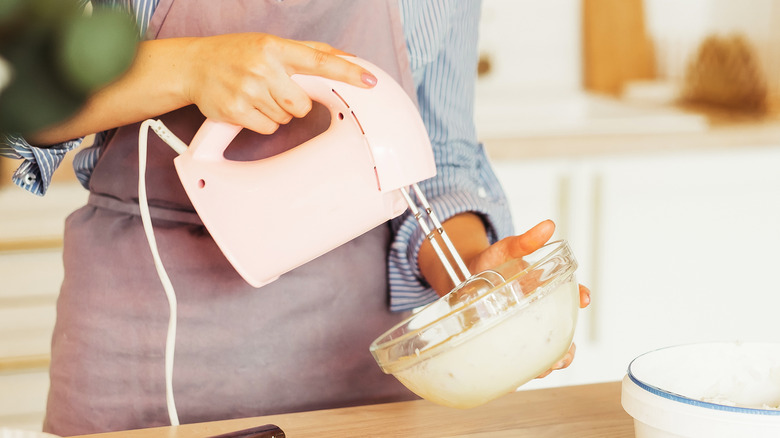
(441, 40)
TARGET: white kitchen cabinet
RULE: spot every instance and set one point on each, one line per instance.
(23, 399)
(676, 247)
(688, 251)
(538, 190)
(27, 315)
(31, 272)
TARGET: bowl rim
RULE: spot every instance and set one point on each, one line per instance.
(538, 293)
(673, 396)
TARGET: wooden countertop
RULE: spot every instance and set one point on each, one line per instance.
(718, 137)
(585, 411)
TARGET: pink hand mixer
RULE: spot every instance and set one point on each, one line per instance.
(273, 215)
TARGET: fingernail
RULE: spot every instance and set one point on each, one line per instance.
(368, 79)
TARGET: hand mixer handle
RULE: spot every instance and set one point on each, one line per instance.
(214, 137)
(397, 140)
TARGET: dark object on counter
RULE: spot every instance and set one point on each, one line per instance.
(264, 431)
(725, 73)
(56, 56)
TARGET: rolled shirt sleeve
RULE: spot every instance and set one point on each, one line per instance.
(442, 43)
(38, 163)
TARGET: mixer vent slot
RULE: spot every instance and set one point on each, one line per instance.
(339, 96)
(358, 123)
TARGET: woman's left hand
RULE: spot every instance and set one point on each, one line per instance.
(479, 256)
(515, 247)
(519, 246)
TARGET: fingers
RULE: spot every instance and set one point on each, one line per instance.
(263, 101)
(291, 101)
(532, 239)
(277, 97)
(561, 364)
(255, 120)
(567, 359)
(325, 47)
(322, 60)
(256, 110)
(544, 374)
(244, 78)
(584, 297)
(513, 247)
(283, 99)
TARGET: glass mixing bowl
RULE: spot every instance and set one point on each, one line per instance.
(490, 335)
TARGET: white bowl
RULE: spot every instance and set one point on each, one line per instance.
(712, 390)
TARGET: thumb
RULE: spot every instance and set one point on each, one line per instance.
(514, 247)
(531, 240)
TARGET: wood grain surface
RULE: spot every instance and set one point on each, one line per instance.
(584, 411)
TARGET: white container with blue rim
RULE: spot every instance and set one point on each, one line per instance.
(707, 390)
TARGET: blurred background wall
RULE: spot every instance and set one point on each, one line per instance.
(616, 47)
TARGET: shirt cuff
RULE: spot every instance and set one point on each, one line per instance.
(38, 163)
(451, 192)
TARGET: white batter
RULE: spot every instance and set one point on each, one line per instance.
(502, 358)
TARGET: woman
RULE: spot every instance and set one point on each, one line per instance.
(301, 342)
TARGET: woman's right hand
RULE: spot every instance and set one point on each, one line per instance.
(244, 78)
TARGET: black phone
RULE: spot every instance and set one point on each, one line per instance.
(264, 431)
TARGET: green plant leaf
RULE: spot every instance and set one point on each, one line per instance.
(96, 50)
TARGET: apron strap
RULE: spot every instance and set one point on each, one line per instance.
(160, 213)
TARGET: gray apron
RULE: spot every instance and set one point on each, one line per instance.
(300, 343)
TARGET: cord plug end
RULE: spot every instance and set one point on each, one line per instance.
(168, 136)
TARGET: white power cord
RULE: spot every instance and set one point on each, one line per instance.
(170, 342)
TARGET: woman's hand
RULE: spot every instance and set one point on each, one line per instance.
(518, 246)
(468, 234)
(244, 79)
(515, 247)
(567, 359)
(470, 238)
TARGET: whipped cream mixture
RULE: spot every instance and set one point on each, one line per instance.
(503, 357)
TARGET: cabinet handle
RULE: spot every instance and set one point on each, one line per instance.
(564, 205)
(597, 195)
